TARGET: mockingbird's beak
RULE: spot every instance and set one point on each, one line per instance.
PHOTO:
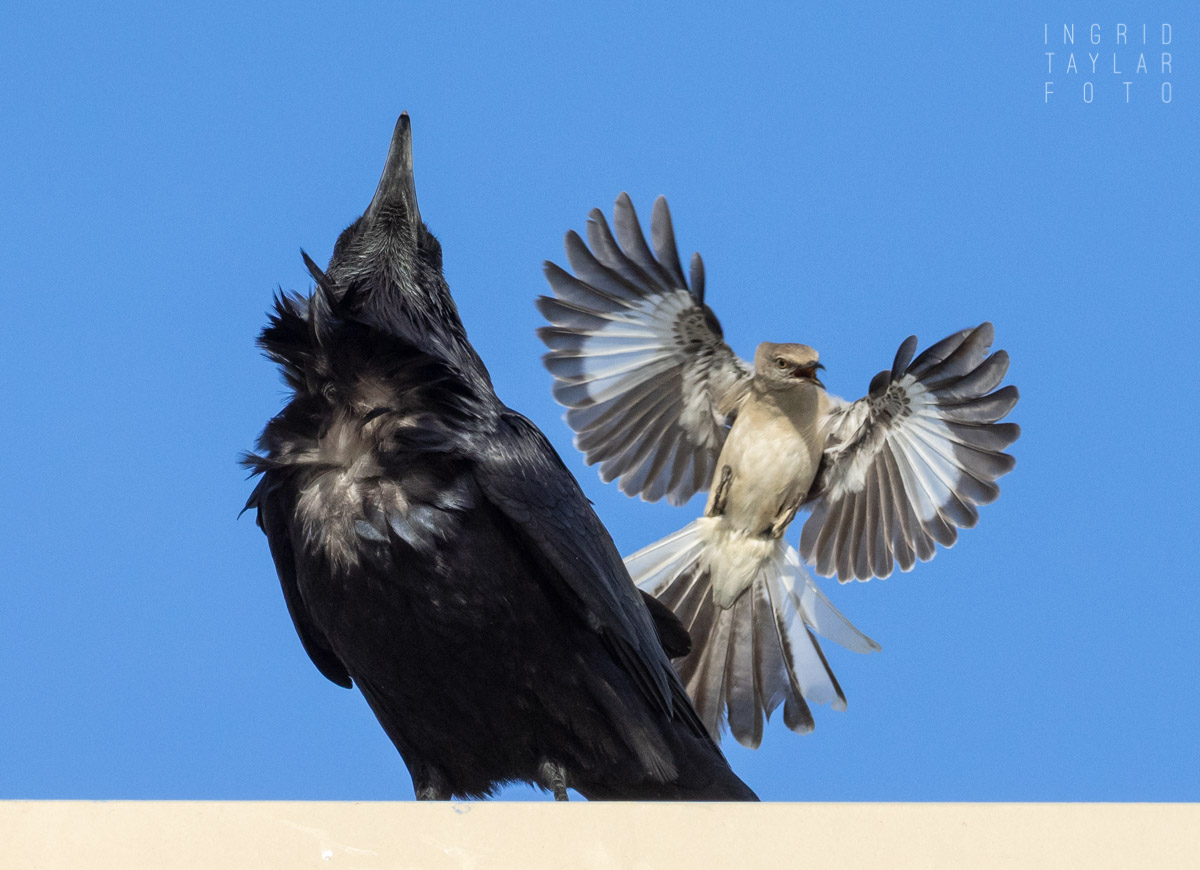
(810, 372)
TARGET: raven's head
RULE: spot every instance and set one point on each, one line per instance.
(383, 246)
(392, 264)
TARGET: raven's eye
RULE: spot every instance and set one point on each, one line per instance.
(780, 363)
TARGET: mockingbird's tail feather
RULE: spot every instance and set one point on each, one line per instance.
(757, 653)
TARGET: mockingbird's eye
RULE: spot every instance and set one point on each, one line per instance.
(780, 363)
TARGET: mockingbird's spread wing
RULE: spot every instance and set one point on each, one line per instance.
(638, 358)
(905, 466)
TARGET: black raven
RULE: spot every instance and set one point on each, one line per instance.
(434, 549)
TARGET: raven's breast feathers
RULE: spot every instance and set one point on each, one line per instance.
(364, 403)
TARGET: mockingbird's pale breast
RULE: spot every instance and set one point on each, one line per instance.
(773, 451)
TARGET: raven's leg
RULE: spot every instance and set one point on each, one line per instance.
(429, 785)
(554, 777)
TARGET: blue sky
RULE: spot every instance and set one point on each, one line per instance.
(852, 173)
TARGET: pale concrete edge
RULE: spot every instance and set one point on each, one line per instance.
(300, 834)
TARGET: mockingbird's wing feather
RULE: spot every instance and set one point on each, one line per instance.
(905, 466)
(638, 358)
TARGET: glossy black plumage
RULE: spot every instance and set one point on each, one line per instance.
(433, 549)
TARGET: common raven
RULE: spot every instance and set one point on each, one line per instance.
(434, 550)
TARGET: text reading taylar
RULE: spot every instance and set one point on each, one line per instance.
(1135, 51)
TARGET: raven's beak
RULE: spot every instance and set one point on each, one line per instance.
(397, 191)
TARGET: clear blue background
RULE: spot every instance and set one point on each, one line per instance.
(851, 174)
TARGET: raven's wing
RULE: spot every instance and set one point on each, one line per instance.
(522, 475)
(672, 635)
(905, 466)
(269, 498)
(638, 358)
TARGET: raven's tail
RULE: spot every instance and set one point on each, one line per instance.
(758, 652)
(701, 773)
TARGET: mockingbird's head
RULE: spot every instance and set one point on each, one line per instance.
(787, 365)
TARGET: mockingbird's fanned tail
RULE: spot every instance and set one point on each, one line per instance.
(748, 658)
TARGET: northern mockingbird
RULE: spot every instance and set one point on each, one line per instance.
(658, 399)
(434, 550)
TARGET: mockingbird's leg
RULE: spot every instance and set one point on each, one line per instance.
(787, 513)
(722, 493)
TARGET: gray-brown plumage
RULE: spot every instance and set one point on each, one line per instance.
(434, 550)
(659, 400)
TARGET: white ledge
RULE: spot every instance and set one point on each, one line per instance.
(263, 835)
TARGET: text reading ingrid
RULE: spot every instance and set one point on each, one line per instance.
(1117, 62)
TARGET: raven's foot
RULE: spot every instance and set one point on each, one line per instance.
(554, 777)
(430, 793)
(430, 785)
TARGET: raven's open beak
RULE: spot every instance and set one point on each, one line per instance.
(397, 190)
